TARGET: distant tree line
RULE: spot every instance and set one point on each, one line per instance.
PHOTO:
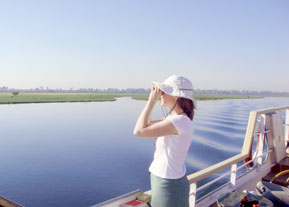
(242, 92)
(141, 91)
(80, 90)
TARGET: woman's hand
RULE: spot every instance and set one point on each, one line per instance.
(155, 93)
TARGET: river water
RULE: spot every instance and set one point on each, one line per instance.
(80, 154)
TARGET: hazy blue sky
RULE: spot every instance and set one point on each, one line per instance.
(218, 44)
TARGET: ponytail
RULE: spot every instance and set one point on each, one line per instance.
(187, 105)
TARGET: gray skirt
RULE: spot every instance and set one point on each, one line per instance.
(170, 192)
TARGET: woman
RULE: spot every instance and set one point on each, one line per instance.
(170, 186)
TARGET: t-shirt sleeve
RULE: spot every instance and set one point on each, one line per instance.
(182, 124)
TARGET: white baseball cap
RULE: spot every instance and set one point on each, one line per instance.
(177, 86)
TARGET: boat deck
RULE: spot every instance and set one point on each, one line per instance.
(279, 167)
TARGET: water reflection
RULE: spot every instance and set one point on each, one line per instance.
(79, 154)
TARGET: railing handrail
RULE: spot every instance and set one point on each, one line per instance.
(228, 173)
(247, 145)
(197, 176)
(270, 110)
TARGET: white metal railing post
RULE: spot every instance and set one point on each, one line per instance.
(287, 126)
(193, 194)
(233, 175)
(261, 139)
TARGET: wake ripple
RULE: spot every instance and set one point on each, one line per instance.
(219, 133)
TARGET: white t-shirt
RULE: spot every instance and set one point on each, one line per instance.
(171, 150)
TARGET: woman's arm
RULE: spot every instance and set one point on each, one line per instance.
(145, 127)
(144, 120)
(160, 128)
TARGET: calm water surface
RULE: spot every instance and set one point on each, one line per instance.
(80, 154)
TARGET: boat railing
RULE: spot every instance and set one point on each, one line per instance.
(232, 173)
(245, 153)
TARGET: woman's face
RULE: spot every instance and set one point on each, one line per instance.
(167, 100)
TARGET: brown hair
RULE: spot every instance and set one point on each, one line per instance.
(187, 105)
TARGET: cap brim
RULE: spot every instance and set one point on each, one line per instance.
(170, 91)
(164, 87)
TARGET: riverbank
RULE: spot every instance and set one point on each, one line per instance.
(9, 98)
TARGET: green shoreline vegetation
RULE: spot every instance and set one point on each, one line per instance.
(21, 98)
